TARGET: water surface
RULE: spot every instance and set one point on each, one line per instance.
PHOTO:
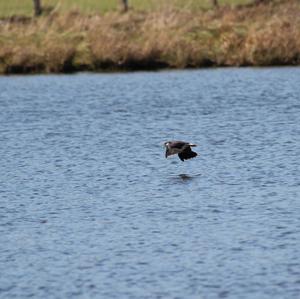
(90, 208)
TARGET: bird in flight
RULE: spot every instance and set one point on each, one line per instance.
(183, 149)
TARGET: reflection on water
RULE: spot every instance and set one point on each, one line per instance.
(91, 208)
(186, 177)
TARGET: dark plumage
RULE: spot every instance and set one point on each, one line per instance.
(183, 149)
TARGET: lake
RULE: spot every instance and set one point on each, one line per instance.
(91, 208)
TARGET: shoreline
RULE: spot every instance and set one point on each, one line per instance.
(261, 35)
(124, 72)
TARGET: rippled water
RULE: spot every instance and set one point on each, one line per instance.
(91, 208)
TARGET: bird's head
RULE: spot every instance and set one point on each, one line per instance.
(166, 143)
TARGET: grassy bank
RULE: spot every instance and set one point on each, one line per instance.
(25, 7)
(168, 37)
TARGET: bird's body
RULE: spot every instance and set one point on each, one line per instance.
(183, 149)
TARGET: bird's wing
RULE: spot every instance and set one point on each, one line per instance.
(167, 151)
(179, 144)
(187, 154)
(181, 156)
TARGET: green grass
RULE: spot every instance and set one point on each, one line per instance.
(25, 7)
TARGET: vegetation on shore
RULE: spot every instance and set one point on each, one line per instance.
(171, 37)
(26, 7)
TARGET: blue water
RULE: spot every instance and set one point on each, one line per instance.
(90, 207)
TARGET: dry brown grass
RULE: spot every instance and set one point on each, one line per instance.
(249, 35)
